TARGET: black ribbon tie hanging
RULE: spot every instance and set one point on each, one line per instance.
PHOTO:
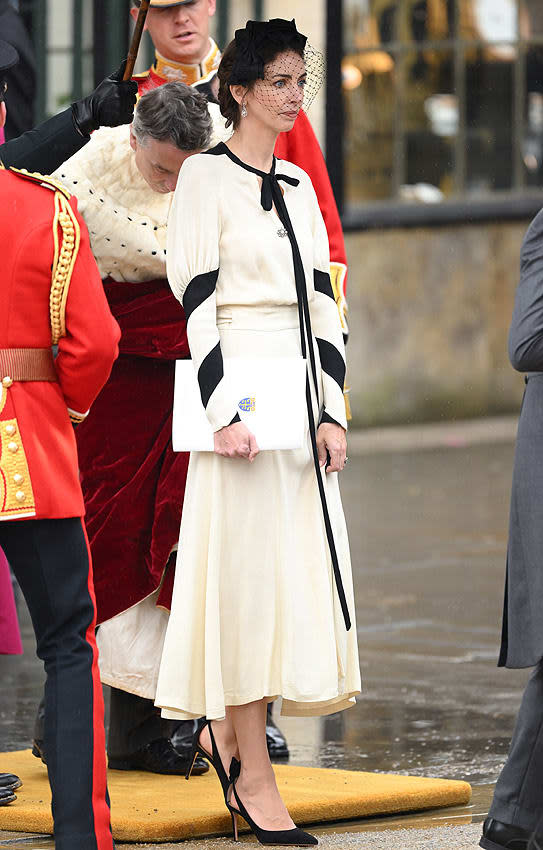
(271, 194)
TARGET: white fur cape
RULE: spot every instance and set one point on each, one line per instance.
(126, 219)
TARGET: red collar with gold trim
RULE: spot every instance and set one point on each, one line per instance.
(166, 70)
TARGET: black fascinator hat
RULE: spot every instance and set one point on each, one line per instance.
(259, 38)
(259, 42)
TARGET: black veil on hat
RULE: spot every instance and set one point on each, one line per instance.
(259, 40)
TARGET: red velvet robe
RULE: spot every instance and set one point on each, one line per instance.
(133, 483)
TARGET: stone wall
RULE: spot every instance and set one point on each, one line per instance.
(429, 313)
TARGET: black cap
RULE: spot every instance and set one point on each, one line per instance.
(8, 56)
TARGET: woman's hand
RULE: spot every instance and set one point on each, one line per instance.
(332, 439)
(236, 441)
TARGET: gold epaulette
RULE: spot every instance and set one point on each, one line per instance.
(337, 279)
(140, 78)
(347, 400)
(42, 180)
(66, 238)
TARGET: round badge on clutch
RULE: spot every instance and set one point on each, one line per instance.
(247, 404)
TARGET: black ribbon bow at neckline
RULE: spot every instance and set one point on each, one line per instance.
(268, 180)
(250, 43)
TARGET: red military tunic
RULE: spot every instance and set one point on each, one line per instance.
(49, 268)
(165, 70)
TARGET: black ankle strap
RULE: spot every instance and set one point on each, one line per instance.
(214, 748)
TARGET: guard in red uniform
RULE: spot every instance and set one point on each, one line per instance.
(52, 294)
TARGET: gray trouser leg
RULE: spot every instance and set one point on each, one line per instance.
(518, 797)
(133, 723)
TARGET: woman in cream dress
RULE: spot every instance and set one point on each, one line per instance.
(263, 601)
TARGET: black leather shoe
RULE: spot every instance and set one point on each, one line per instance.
(276, 741)
(9, 782)
(504, 836)
(159, 756)
(182, 737)
(38, 749)
(6, 796)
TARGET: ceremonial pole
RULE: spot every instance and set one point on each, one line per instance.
(136, 38)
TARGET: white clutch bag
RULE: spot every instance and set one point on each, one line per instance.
(270, 398)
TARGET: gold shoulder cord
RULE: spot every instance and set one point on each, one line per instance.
(42, 180)
(66, 250)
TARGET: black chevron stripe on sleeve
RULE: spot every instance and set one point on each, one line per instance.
(331, 361)
(210, 373)
(329, 419)
(323, 283)
(200, 288)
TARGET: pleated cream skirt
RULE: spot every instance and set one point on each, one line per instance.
(255, 612)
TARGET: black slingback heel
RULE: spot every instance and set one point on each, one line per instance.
(213, 757)
(284, 837)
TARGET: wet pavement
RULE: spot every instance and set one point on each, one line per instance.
(428, 527)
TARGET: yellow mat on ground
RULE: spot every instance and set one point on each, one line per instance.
(146, 807)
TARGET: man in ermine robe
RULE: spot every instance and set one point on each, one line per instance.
(132, 481)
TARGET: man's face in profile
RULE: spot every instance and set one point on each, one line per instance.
(159, 162)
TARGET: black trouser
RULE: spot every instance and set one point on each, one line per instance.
(133, 723)
(518, 797)
(51, 561)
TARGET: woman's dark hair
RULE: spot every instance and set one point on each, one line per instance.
(229, 106)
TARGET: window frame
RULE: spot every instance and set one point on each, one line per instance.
(520, 202)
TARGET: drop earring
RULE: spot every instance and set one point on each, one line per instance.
(243, 111)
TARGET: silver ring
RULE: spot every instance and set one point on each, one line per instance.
(346, 460)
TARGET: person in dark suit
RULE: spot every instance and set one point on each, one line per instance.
(54, 141)
(21, 78)
(517, 808)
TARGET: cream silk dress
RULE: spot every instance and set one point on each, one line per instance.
(255, 611)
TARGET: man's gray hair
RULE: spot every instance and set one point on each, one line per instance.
(173, 113)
